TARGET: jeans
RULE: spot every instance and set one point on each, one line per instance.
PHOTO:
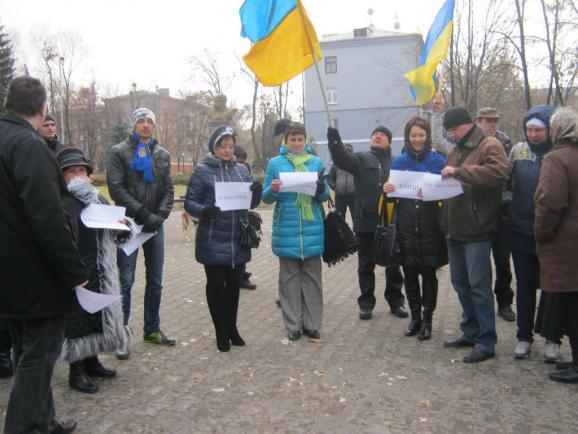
(471, 276)
(526, 268)
(342, 201)
(37, 345)
(154, 253)
(365, 270)
(501, 254)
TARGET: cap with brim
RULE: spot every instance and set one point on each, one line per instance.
(70, 157)
(488, 113)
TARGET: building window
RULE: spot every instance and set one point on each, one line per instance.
(332, 95)
(331, 65)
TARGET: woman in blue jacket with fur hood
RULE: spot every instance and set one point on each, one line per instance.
(298, 235)
(218, 241)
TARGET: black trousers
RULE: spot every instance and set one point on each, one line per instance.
(5, 341)
(342, 201)
(501, 254)
(223, 297)
(427, 296)
(365, 270)
(37, 345)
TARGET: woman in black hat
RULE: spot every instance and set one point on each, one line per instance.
(88, 334)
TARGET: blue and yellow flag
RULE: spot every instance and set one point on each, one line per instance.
(421, 79)
(283, 39)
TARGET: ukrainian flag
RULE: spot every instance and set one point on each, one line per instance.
(283, 39)
(421, 79)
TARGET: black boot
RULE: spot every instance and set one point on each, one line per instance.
(415, 323)
(6, 370)
(429, 300)
(78, 380)
(231, 308)
(94, 368)
(216, 302)
(411, 280)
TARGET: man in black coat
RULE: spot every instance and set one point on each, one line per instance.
(139, 178)
(39, 262)
(48, 132)
(370, 171)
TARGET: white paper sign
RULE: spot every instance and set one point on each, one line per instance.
(433, 187)
(436, 188)
(299, 182)
(137, 240)
(406, 183)
(93, 302)
(99, 216)
(230, 196)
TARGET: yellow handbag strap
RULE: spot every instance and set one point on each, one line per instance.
(385, 211)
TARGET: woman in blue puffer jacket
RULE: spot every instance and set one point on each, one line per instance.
(218, 240)
(298, 235)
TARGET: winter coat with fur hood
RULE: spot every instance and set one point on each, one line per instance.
(89, 334)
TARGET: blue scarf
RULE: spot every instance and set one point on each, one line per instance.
(143, 159)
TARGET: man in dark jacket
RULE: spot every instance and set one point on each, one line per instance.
(469, 222)
(488, 119)
(139, 178)
(343, 184)
(370, 171)
(48, 132)
(39, 262)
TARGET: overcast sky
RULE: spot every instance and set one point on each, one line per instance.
(148, 42)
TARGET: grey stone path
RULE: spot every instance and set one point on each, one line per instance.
(364, 377)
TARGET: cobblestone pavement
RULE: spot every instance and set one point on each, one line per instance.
(364, 377)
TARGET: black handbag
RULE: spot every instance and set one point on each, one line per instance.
(340, 241)
(251, 230)
(385, 248)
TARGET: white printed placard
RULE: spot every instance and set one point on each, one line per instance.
(437, 188)
(100, 216)
(138, 239)
(406, 183)
(92, 302)
(230, 196)
(299, 182)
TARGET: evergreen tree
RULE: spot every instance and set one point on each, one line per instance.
(117, 134)
(6, 64)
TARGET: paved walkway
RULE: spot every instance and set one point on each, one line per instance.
(365, 377)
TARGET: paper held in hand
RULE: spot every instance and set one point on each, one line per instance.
(137, 240)
(93, 302)
(433, 187)
(230, 196)
(100, 216)
(299, 182)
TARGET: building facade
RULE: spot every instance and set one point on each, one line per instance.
(363, 76)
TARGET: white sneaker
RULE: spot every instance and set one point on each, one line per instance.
(522, 350)
(551, 352)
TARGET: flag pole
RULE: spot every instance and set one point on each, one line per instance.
(315, 60)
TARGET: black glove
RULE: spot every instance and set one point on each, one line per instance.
(142, 215)
(320, 183)
(256, 186)
(257, 190)
(152, 223)
(210, 212)
(333, 136)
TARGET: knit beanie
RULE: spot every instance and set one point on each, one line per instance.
(281, 126)
(70, 157)
(384, 130)
(49, 118)
(141, 113)
(218, 134)
(457, 116)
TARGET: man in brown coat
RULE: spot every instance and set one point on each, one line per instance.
(469, 222)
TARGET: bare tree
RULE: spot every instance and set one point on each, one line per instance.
(206, 68)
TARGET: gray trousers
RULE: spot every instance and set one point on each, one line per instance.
(301, 293)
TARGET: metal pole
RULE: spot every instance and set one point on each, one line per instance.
(62, 132)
